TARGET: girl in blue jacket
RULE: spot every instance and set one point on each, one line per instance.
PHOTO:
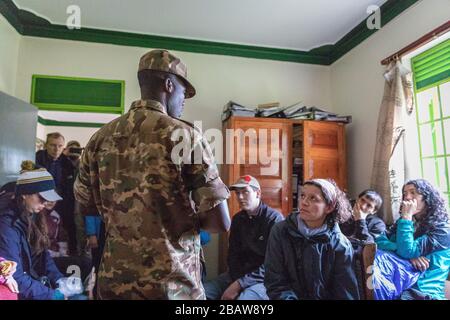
(422, 235)
(23, 238)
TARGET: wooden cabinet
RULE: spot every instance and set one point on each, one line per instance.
(281, 154)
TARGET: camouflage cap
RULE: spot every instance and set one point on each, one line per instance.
(163, 60)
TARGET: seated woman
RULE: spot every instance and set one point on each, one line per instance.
(307, 255)
(22, 236)
(422, 235)
(8, 286)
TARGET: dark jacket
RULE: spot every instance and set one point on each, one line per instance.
(315, 268)
(14, 246)
(248, 242)
(66, 207)
(363, 231)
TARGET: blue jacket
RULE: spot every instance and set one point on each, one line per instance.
(434, 245)
(92, 225)
(319, 267)
(14, 246)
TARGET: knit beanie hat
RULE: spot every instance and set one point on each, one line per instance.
(33, 181)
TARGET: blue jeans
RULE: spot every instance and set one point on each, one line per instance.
(214, 289)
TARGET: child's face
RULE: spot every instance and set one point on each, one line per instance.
(367, 205)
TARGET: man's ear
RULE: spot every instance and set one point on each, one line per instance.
(168, 85)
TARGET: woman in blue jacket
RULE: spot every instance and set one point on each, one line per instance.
(422, 235)
(308, 258)
(23, 238)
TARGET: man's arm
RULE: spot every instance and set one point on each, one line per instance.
(83, 188)
(208, 192)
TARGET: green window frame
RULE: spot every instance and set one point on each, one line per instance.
(72, 94)
(431, 74)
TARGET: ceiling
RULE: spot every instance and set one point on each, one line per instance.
(289, 24)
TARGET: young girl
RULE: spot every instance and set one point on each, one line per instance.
(8, 286)
(307, 255)
(422, 235)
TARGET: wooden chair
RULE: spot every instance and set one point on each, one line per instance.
(367, 258)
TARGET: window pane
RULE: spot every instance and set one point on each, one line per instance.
(441, 181)
(429, 170)
(439, 140)
(424, 100)
(426, 140)
(445, 99)
(447, 134)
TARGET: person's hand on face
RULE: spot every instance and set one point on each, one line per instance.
(232, 291)
(413, 202)
(422, 264)
(409, 208)
(358, 213)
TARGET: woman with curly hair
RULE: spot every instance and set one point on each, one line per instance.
(307, 255)
(422, 235)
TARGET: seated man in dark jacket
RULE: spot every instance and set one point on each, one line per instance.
(364, 226)
(249, 233)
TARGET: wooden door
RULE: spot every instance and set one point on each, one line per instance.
(253, 141)
(324, 151)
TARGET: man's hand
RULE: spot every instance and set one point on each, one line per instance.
(421, 263)
(409, 207)
(12, 285)
(92, 242)
(232, 291)
(358, 214)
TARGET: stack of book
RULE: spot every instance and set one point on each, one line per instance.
(235, 109)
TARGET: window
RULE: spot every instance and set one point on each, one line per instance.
(431, 71)
(77, 94)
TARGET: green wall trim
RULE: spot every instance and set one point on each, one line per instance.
(389, 10)
(48, 122)
(28, 24)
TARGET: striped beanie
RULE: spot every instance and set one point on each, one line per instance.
(33, 181)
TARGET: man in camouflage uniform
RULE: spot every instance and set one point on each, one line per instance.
(127, 172)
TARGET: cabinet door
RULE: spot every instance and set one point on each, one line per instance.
(324, 151)
(256, 144)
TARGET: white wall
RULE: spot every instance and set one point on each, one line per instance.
(358, 83)
(9, 53)
(82, 135)
(217, 79)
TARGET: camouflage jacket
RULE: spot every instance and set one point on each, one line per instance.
(149, 203)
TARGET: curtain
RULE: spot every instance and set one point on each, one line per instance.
(390, 166)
